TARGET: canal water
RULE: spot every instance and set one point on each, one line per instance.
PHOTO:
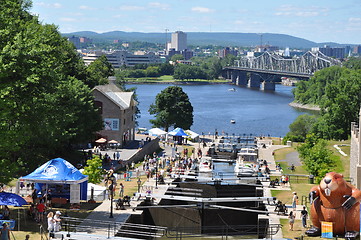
(214, 106)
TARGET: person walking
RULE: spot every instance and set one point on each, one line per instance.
(51, 223)
(57, 221)
(5, 232)
(121, 190)
(291, 220)
(294, 201)
(304, 215)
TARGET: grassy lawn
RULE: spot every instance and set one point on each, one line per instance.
(342, 162)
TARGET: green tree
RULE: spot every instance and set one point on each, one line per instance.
(300, 128)
(99, 71)
(316, 157)
(94, 170)
(172, 108)
(177, 57)
(45, 106)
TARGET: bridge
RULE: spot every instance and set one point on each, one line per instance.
(268, 68)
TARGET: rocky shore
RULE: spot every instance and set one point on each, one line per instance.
(305, 106)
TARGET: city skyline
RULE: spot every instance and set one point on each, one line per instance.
(321, 21)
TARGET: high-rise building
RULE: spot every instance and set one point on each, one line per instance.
(179, 41)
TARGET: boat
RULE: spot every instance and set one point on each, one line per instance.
(233, 121)
(232, 89)
(205, 165)
(244, 170)
(248, 154)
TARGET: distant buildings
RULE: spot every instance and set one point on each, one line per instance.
(179, 41)
(225, 51)
(79, 41)
(330, 51)
(178, 45)
(119, 58)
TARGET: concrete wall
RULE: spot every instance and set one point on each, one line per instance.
(355, 158)
(147, 149)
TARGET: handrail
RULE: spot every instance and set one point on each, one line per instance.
(43, 234)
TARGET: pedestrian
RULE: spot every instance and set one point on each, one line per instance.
(291, 220)
(57, 221)
(304, 215)
(294, 201)
(27, 237)
(5, 232)
(51, 223)
(6, 213)
(40, 210)
(121, 190)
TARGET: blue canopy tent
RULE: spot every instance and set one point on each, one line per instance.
(178, 135)
(59, 172)
(178, 132)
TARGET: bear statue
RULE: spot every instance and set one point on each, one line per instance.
(335, 200)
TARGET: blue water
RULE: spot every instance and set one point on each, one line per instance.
(255, 112)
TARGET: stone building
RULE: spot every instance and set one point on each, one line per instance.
(355, 153)
(118, 112)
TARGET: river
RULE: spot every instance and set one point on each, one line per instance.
(214, 106)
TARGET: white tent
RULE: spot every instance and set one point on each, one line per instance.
(192, 135)
(156, 132)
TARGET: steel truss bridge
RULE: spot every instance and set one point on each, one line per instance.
(269, 68)
(307, 64)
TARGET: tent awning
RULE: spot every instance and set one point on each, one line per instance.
(177, 132)
(56, 170)
(156, 132)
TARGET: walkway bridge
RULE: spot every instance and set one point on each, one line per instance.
(268, 68)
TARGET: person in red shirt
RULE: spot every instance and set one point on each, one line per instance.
(41, 209)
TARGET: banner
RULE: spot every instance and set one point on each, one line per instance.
(111, 124)
(327, 229)
(74, 193)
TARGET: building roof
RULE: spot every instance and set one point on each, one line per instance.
(116, 95)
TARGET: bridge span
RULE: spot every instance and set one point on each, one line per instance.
(268, 68)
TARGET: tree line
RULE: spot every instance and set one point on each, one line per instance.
(201, 68)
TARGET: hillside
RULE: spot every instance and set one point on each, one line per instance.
(204, 38)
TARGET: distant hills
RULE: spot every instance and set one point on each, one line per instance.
(207, 38)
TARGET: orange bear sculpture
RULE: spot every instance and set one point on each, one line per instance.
(335, 200)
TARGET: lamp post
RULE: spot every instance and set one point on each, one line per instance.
(111, 187)
(139, 182)
(156, 174)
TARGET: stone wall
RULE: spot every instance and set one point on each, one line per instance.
(355, 154)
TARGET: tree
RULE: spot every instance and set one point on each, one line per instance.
(300, 128)
(172, 108)
(98, 72)
(94, 170)
(177, 57)
(45, 106)
(316, 157)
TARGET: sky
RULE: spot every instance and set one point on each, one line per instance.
(315, 20)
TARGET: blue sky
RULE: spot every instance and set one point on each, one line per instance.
(315, 20)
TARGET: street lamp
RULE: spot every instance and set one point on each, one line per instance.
(156, 173)
(111, 179)
(139, 182)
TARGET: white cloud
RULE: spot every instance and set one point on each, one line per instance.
(49, 5)
(131, 8)
(239, 22)
(84, 7)
(159, 5)
(202, 9)
(67, 19)
(290, 10)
